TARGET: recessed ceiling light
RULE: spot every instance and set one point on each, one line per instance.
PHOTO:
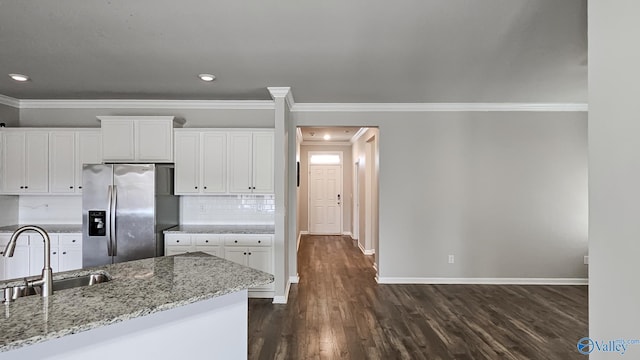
(207, 77)
(19, 77)
(327, 137)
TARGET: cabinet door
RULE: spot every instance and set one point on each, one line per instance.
(214, 162)
(17, 266)
(88, 151)
(36, 259)
(2, 264)
(240, 162)
(260, 259)
(154, 140)
(236, 254)
(263, 148)
(117, 140)
(4, 239)
(62, 170)
(70, 258)
(37, 162)
(187, 163)
(13, 162)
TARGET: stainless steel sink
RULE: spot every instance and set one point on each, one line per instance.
(15, 292)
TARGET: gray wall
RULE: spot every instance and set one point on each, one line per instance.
(347, 184)
(505, 192)
(193, 117)
(9, 115)
(614, 174)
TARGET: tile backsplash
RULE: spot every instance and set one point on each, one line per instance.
(227, 209)
(194, 210)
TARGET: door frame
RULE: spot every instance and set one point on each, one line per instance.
(309, 165)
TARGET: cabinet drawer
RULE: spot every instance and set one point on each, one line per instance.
(69, 240)
(206, 239)
(177, 239)
(248, 240)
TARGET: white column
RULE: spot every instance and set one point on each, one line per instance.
(614, 174)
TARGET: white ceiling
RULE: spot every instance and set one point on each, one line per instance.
(327, 51)
(337, 134)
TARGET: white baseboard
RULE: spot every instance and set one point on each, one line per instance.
(347, 233)
(285, 298)
(483, 281)
(366, 252)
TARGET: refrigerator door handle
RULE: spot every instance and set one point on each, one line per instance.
(114, 233)
(109, 220)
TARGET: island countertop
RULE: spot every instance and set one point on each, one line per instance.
(136, 288)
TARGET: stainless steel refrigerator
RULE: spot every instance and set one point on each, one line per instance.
(125, 209)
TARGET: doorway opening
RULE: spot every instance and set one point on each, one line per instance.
(338, 184)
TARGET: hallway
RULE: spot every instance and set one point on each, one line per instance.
(337, 311)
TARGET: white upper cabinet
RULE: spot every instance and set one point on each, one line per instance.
(25, 161)
(187, 162)
(263, 149)
(117, 139)
(68, 151)
(200, 162)
(240, 162)
(88, 151)
(251, 162)
(62, 153)
(137, 138)
(214, 162)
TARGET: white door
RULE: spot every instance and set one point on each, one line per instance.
(325, 199)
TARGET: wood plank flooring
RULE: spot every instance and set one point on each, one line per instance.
(337, 311)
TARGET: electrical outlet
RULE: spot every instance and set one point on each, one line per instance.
(586, 260)
(451, 259)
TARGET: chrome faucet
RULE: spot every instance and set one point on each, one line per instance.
(46, 280)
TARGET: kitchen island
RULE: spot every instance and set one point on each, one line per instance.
(160, 308)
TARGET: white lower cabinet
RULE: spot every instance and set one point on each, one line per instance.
(28, 258)
(254, 251)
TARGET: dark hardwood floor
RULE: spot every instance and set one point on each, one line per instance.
(337, 311)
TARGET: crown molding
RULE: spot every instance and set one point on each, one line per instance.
(283, 91)
(148, 104)
(435, 107)
(9, 101)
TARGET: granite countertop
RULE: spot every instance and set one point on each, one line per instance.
(50, 228)
(136, 288)
(221, 229)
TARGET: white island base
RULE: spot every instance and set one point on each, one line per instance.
(210, 329)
